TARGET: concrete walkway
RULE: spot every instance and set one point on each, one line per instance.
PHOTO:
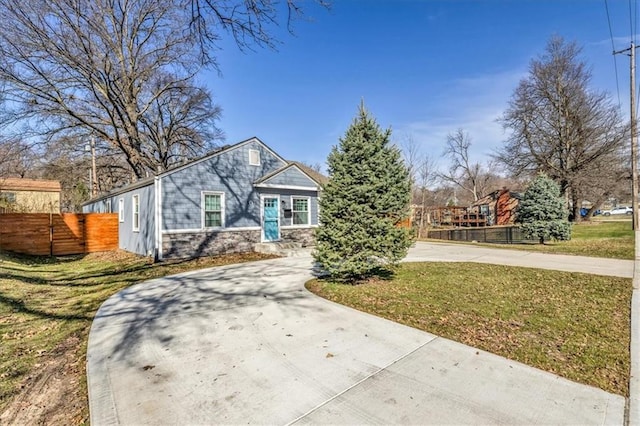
(248, 344)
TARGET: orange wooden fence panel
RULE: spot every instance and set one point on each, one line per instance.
(58, 234)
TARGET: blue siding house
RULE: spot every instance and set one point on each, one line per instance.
(224, 202)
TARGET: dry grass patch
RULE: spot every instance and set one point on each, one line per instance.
(46, 309)
(574, 325)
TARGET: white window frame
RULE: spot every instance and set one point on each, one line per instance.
(298, 197)
(222, 209)
(121, 210)
(254, 157)
(135, 210)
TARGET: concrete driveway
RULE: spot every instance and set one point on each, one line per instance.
(248, 344)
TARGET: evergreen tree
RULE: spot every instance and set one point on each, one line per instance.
(366, 197)
(542, 211)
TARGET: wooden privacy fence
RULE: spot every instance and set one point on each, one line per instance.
(491, 234)
(58, 234)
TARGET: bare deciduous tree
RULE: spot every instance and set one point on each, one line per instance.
(469, 175)
(426, 177)
(250, 23)
(559, 125)
(123, 70)
(17, 158)
(423, 174)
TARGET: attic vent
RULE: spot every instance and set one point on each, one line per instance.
(254, 157)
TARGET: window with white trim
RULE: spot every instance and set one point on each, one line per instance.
(300, 211)
(121, 210)
(212, 210)
(254, 157)
(136, 213)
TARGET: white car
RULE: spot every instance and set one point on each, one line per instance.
(618, 210)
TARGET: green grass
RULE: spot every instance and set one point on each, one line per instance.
(609, 239)
(47, 304)
(574, 325)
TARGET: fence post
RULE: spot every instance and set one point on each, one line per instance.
(50, 233)
(83, 222)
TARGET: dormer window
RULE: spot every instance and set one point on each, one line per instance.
(254, 157)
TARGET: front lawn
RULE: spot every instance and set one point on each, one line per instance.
(46, 309)
(574, 325)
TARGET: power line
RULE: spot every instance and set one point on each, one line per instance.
(613, 48)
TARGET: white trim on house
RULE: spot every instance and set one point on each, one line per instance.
(199, 231)
(301, 197)
(157, 186)
(121, 210)
(202, 210)
(135, 201)
(290, 165)
(262, 198)
(297, 188)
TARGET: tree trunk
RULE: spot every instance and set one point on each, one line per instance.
(422, 213)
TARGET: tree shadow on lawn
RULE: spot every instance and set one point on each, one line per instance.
(18, 305)
(375, 275)
(71, 277)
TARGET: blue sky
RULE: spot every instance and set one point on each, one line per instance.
(424, 68)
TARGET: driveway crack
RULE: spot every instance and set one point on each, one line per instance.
(364, 379)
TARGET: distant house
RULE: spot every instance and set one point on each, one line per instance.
(226, 201)
(18, 195)
(499, 207)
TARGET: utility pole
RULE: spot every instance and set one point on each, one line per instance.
(93, 174)
(634, 141)
(94, 184)
(633, 415)
(634, 135)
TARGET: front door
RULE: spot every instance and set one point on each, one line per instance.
(270, 219)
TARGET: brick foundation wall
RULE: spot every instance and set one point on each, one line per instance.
(199, 244)
(211, 243)
(303, 236)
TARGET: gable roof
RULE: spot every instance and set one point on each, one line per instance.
(219, 151)
(316, 177)
(20, 184)
(148, 181)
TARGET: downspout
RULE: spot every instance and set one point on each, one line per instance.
(157, 186)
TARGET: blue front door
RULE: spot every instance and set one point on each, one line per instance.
(270, 225)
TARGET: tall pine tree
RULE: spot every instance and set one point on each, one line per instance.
(542, 213)
(366, 197)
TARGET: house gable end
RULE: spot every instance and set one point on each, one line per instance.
(232, 172)
(252, 143)
(290, 176)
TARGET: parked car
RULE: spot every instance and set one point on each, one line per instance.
(618, 210)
